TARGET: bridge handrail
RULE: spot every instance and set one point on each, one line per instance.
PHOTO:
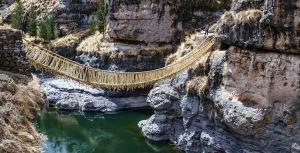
(51, 61)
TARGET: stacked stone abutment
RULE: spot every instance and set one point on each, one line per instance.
(12, 55)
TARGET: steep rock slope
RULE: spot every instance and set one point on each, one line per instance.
(159, 21)
(263, 24)
(20, 97)
(243, 98)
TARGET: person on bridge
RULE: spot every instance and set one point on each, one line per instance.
(86, 67)
(206, 28)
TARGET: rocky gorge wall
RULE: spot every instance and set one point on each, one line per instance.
(263, 24)
(244, 97)
(159, 21)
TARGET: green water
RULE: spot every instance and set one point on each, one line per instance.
(68, 132)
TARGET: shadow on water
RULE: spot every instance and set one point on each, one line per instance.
(73, 132)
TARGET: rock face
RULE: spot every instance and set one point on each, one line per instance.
(249, 102)
(141, 20)
(121, 56)
(264, 24)
(70, 95)
(74, 15)
(239, 99)
(159, 21)
(12, 54)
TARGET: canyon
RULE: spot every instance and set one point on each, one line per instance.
(242, 96)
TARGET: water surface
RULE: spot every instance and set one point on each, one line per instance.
(69, 132)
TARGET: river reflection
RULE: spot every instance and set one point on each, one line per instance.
(68, 132)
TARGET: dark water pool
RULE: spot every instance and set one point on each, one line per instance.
(68, 132)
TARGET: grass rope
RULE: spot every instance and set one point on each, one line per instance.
(59, 65)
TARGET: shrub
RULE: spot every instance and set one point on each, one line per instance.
(101, 16)
(93, 26)
(16, 18)
(47, 28)
(31, 25)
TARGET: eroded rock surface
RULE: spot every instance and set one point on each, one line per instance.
(160, 21)
(104, 54)
(70, 95)
(141, 20)
(265, 24)
(244, 98)
(250, 103)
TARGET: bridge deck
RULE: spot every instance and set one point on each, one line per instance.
(58, 65)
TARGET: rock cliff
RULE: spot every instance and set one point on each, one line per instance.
(263, 24)
(159, 21)
(245, 96)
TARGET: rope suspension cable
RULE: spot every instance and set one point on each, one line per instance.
(59, 65)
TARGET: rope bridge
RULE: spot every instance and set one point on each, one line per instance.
(58, 65)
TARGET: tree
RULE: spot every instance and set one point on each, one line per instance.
(93, 26)
(43, 31)
(47, 28)
(16, 18)
(101, 16)
(31, 25)
(50, 24)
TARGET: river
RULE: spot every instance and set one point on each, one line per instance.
(74, 132)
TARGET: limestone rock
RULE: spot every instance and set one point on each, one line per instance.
(263, 24)
(145, 21)
(70, 95)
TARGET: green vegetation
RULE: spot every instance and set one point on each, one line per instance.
(101, 15)
(99, 24)
(93, 26)
(47, 28)
(31, 24)
(16, 18)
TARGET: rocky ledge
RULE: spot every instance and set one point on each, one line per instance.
(245, 96)
(240, 105)
(70, 95)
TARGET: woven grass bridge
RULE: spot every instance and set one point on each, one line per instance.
(58, 65)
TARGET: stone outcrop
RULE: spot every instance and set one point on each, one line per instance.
(159, 21)
(121, 56)
(264, 24)
(249, 102)
(70, 95)
(12, 54)
(141, 20)
(244, 98)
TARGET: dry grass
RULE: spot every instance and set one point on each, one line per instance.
(91, 43)
(236, 20)
(18, 104)
(197, 85)
(251, 16)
